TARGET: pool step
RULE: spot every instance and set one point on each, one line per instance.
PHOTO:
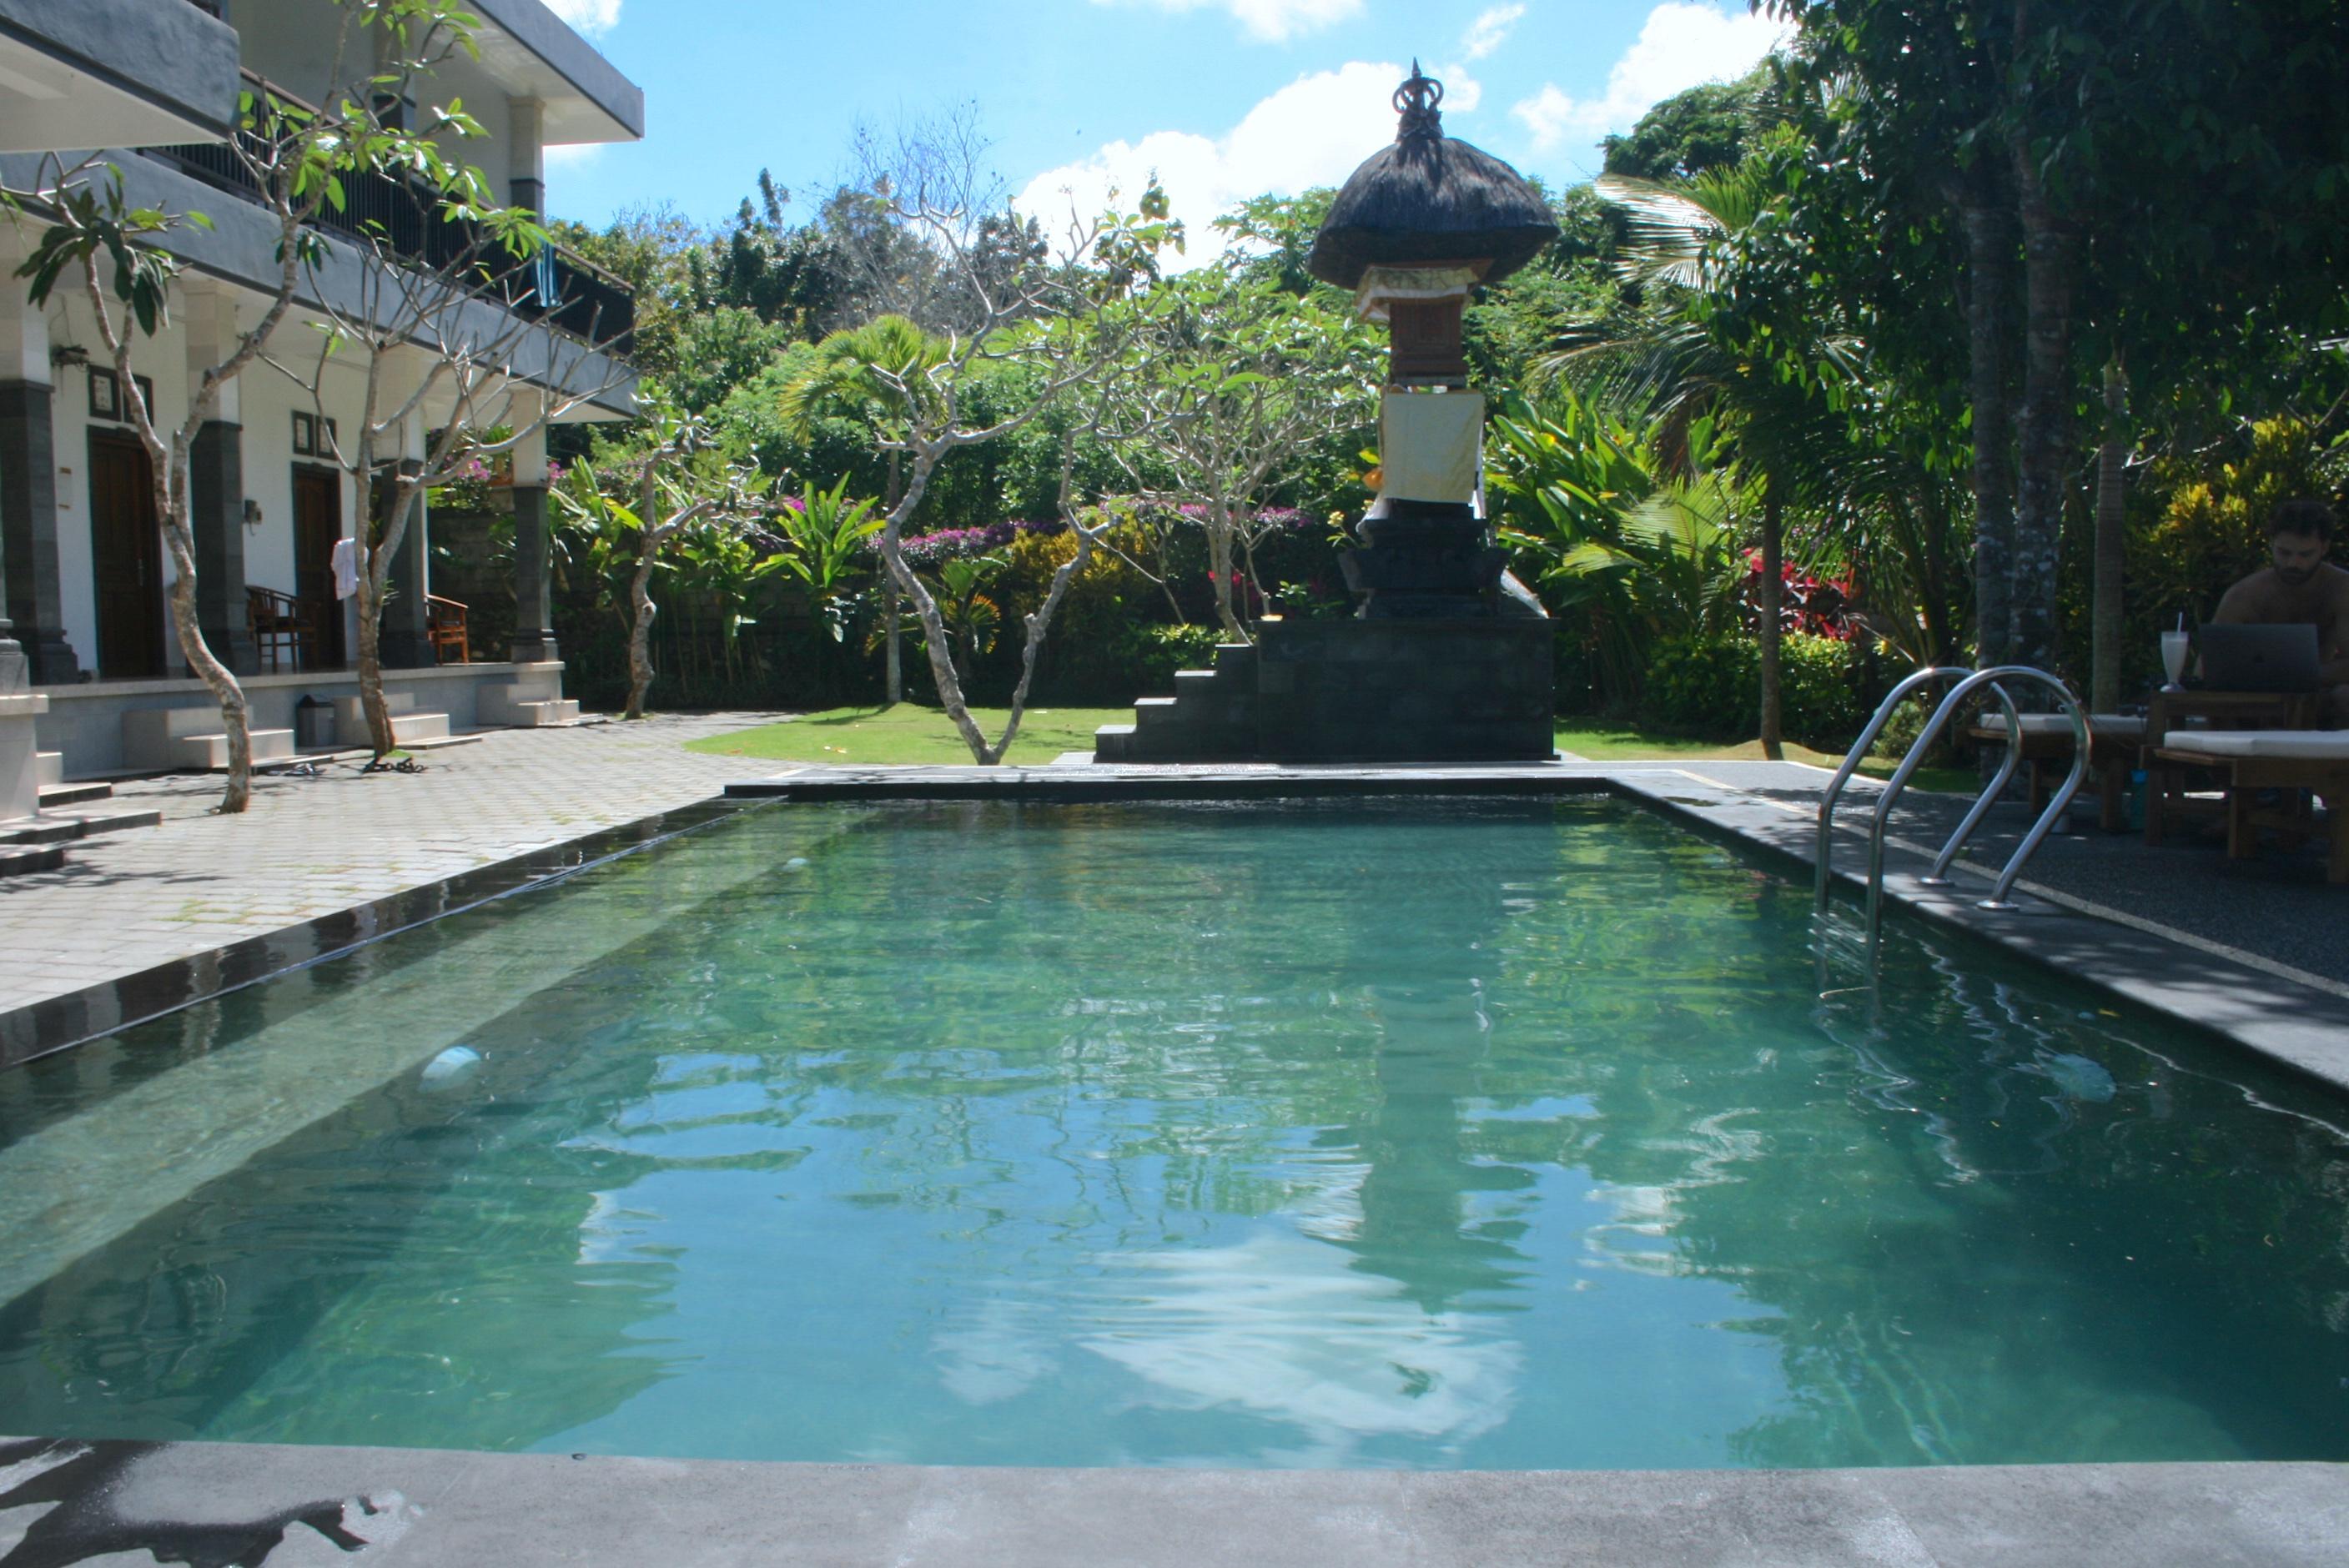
(1211, 717)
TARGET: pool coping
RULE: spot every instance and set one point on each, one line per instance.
(416, 1508)
(75, 1017)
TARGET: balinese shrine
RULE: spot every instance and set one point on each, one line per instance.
(1447, 657)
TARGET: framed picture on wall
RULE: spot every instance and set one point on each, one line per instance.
(106, 400)
(305, 434)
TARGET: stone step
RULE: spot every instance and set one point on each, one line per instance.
(1196, 745)
(92, 823)
(51, 828)
(209, 753)
(555, 713)
(1237, 658)
(520, 704)
(409, 727)
(40, 858)
(1113, 743)
(56, 795)
(49, 770)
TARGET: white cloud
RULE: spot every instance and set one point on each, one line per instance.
(1273, 21)
(1313, 131)
(1684, 45)
(589, 17)
(1489, 31)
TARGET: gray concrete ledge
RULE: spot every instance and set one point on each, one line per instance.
(283, 1507)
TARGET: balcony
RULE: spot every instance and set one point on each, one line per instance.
(556, 287)
(112, 73)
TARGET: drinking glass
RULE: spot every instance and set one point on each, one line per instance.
(2174, 647)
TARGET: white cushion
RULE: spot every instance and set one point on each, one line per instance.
(2310, 745)
(2034, 723)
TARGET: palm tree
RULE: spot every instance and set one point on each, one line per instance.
(1762, 391)
(883, 373)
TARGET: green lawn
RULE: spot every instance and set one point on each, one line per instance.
(906, 733)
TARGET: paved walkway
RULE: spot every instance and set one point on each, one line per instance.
(130, 901)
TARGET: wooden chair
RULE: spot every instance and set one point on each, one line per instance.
(2284, 762)
(284, 629)
(444, 626)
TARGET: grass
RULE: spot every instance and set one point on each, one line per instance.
(866, 735)
(908, 734)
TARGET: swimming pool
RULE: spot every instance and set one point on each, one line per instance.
(1499, 1135)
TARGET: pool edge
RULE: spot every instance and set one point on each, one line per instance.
(408, 1508)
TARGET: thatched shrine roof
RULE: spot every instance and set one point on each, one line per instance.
(1429, 199)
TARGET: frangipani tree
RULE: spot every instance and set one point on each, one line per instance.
(1062, 320)
(676, 483)
(1238, 378)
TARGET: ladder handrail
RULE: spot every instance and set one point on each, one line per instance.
(1826, 849)
(1933, 727)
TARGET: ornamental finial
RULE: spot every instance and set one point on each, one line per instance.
(1419, 101)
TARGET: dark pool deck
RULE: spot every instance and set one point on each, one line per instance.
(2256, 953)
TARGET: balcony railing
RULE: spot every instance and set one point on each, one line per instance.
(555, 287)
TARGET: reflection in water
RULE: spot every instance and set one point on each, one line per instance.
(1514, 1135)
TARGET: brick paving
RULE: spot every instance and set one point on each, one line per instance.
(129, 901)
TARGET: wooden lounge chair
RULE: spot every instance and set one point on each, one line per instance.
(2113, 741)
(444, 626)
(2169, 781)
(2285, 760)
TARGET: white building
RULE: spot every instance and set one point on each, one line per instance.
(156, 83)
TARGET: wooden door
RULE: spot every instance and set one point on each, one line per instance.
(129, 558)
(317, 525)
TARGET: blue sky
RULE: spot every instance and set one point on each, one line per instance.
(1224, 99)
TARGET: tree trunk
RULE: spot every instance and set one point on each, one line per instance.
(893, 626)
(640, 626)
(370, 661)
(2111, 544)
(235, 719)
(1989, 263)
(1219, 567)
(2049, 257)
(1773, 595)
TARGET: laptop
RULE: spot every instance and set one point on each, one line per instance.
(2257, 658)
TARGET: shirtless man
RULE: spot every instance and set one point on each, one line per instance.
(2303, 588)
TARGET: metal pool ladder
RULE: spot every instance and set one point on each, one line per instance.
(1996, 678)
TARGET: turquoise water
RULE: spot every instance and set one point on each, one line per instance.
(1504, 1135)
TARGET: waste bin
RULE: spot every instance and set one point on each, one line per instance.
(314, 724)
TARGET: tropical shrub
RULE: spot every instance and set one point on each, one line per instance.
(1712, 686)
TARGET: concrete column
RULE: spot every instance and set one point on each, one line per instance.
(405, 644)
(534, 578)
(32, 645)
(216, 488)
(526, 144)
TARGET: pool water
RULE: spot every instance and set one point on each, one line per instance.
(1505, 1135)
